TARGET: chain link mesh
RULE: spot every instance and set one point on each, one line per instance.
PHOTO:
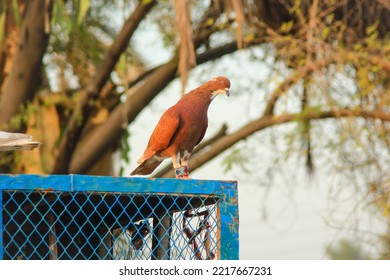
(109, 225)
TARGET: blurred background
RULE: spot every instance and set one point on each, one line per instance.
(305, 131)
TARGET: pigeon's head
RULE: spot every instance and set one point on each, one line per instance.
(219, 85)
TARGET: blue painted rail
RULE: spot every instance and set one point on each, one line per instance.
(101, 217)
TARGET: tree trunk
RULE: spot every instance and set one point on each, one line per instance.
(11, 38)
(23, 81)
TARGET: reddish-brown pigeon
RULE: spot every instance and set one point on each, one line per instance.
(16, 141)
(180, 129)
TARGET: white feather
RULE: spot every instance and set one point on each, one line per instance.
(16, 141)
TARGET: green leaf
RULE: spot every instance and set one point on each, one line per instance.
(146, 2)
(296, 7)
(236, 157)
(15, 10)
(58, 12)
(372, 28)
(325, 33)
(358, 47)
(1, 27)
(122, 63)
(286, 27)
(83, 7)
(210, 22)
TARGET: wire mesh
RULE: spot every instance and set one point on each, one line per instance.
(47, 224)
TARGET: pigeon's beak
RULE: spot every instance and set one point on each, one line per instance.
(227, 92)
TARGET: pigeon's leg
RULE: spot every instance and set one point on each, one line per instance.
(184, 165)
(180, 166)
(179, 171)
(176, 161)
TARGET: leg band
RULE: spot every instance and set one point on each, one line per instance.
(181, 172)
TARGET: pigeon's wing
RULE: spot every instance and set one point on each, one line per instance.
(162, 134)
(165, 130)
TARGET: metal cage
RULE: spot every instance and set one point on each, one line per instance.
(101, 217)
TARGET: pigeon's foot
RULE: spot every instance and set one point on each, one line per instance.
(182, 172)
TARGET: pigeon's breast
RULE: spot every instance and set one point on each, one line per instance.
(192, 128)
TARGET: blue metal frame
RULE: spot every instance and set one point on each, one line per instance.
(1, 226)
(225, 190)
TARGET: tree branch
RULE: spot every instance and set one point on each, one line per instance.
(300, 73)
(85, 105)
(201, 58)
(254, 126)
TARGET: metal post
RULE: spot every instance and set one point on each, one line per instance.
(162, 228)
(229, 222)
(1, 227)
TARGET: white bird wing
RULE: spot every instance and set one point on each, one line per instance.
(16, 141)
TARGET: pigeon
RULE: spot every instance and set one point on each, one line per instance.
(180, 129)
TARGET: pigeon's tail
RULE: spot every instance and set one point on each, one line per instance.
(16, 141)
(147, 166)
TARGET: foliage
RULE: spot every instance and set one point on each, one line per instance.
(346, 250)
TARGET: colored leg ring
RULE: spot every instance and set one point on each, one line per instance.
(181, 172)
